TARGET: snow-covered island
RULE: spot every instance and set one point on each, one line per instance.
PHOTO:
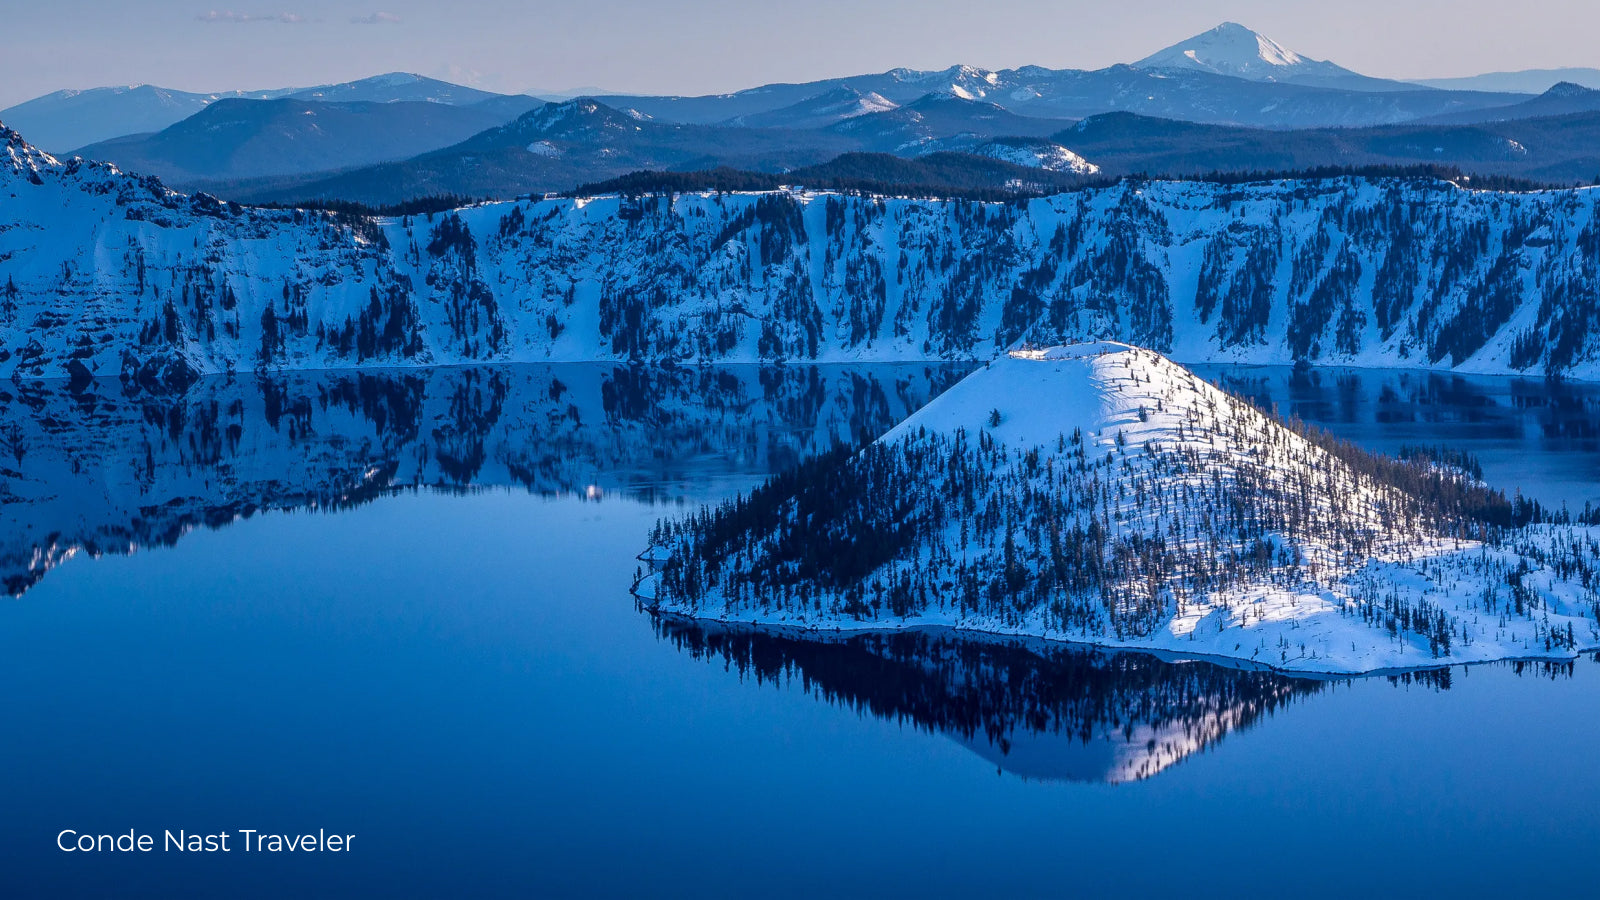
(1103, 494)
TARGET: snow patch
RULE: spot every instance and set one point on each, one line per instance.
(1040, 155)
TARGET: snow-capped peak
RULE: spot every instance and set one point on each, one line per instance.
(1232, 49)
(967, 82)
(21, 156)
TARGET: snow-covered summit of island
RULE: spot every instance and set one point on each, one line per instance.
(1101, 493)
(1041, 393)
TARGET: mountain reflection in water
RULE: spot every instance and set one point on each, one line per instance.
(1539, 436)
(100, 471)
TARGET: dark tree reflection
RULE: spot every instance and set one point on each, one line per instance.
(1037, 709)
(87, 468)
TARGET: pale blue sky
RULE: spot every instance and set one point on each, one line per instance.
(701, 46)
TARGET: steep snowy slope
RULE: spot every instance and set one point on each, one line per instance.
(113, 274)
(102, 273)
(1101, 493)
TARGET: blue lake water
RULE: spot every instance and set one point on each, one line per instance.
(1539, 436)
(397, 607)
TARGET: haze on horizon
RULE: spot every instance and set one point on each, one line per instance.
(709, 46)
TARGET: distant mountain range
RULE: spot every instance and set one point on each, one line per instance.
(1527, 81)
(559, 146)
(66, 120)
(1561, 99)
(233, 139)
(1230, 99)
(1229, 75)
(1190, 93)
(555, 146)
(1556, 149)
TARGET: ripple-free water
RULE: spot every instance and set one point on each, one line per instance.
(441, 658)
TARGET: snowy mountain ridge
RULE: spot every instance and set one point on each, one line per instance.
(1101, 493)
(106, 274)
(22, 156)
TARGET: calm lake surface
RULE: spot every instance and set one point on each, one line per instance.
(396, 606)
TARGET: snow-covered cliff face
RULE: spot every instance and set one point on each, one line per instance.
(105, 274)
(95, 470)
(1102, 493)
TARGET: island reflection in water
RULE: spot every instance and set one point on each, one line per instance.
(1037, 709)
(100, 471)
